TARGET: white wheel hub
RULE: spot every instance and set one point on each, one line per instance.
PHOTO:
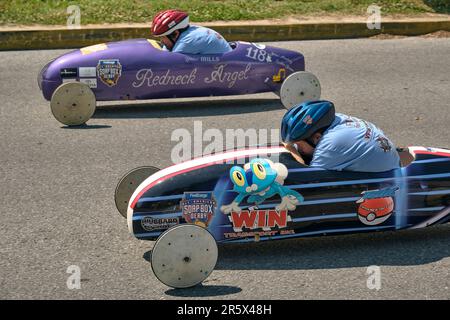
(73, 103)
(184, 256)
(299, 87)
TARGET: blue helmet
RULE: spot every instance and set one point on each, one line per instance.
(301, 121)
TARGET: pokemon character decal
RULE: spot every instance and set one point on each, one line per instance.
(259, 180)
(376, 206)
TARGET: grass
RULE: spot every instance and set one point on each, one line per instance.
(54, 12)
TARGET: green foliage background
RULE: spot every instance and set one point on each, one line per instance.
(119, 11)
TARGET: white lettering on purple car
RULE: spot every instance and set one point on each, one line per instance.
(220, 75)
(150, 79)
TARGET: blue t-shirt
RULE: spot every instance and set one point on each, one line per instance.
(355, 145)
(201, 40)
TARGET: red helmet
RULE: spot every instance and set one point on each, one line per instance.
(166, 22)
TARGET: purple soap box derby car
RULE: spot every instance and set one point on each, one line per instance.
(139, 69)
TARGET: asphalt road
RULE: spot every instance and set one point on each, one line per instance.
(57, 184)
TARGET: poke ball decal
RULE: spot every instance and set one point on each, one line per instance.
(375, 211)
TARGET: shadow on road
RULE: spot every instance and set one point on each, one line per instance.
(401, 248)
(200, 290)
(183, 109)
(87, 127)
(203, 291)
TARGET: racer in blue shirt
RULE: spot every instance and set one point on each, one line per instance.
(335, 141)
(178, 36)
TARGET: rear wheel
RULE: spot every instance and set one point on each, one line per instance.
(184, 256)
(128, 184)
(299, 87)
(73, 103)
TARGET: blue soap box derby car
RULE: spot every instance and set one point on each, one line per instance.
(260, 194)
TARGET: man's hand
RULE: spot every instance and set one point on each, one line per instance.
(294, 153)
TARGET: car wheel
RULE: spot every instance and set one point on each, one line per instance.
(299, 87)
(73, 103)
(128, 184)
(184, 256)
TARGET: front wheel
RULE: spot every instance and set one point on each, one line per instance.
(299, 87)
(184, 256)
(128, 184)
(73, 103)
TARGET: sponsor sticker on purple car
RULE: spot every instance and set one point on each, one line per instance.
(67, 73)
(109, 71)
(94, 48)
(91, 82)
(87, 72)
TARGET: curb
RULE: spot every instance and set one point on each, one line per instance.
(63, 38)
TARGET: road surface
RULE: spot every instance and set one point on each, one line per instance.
(57, 184)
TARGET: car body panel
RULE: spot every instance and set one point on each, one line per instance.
(334, 202)
(140, 69)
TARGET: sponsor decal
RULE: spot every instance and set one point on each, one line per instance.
(87, 72)
(259, 219)
(148, 78)
(257, 234)
(92, 83)
(198, 207)
(149, 223)
(257, 181)
(209, 59)
(69, 73)
(279, 77)
(220, 74)
(109, 71)
(94, 48)
(69, 80)
(376, 206)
